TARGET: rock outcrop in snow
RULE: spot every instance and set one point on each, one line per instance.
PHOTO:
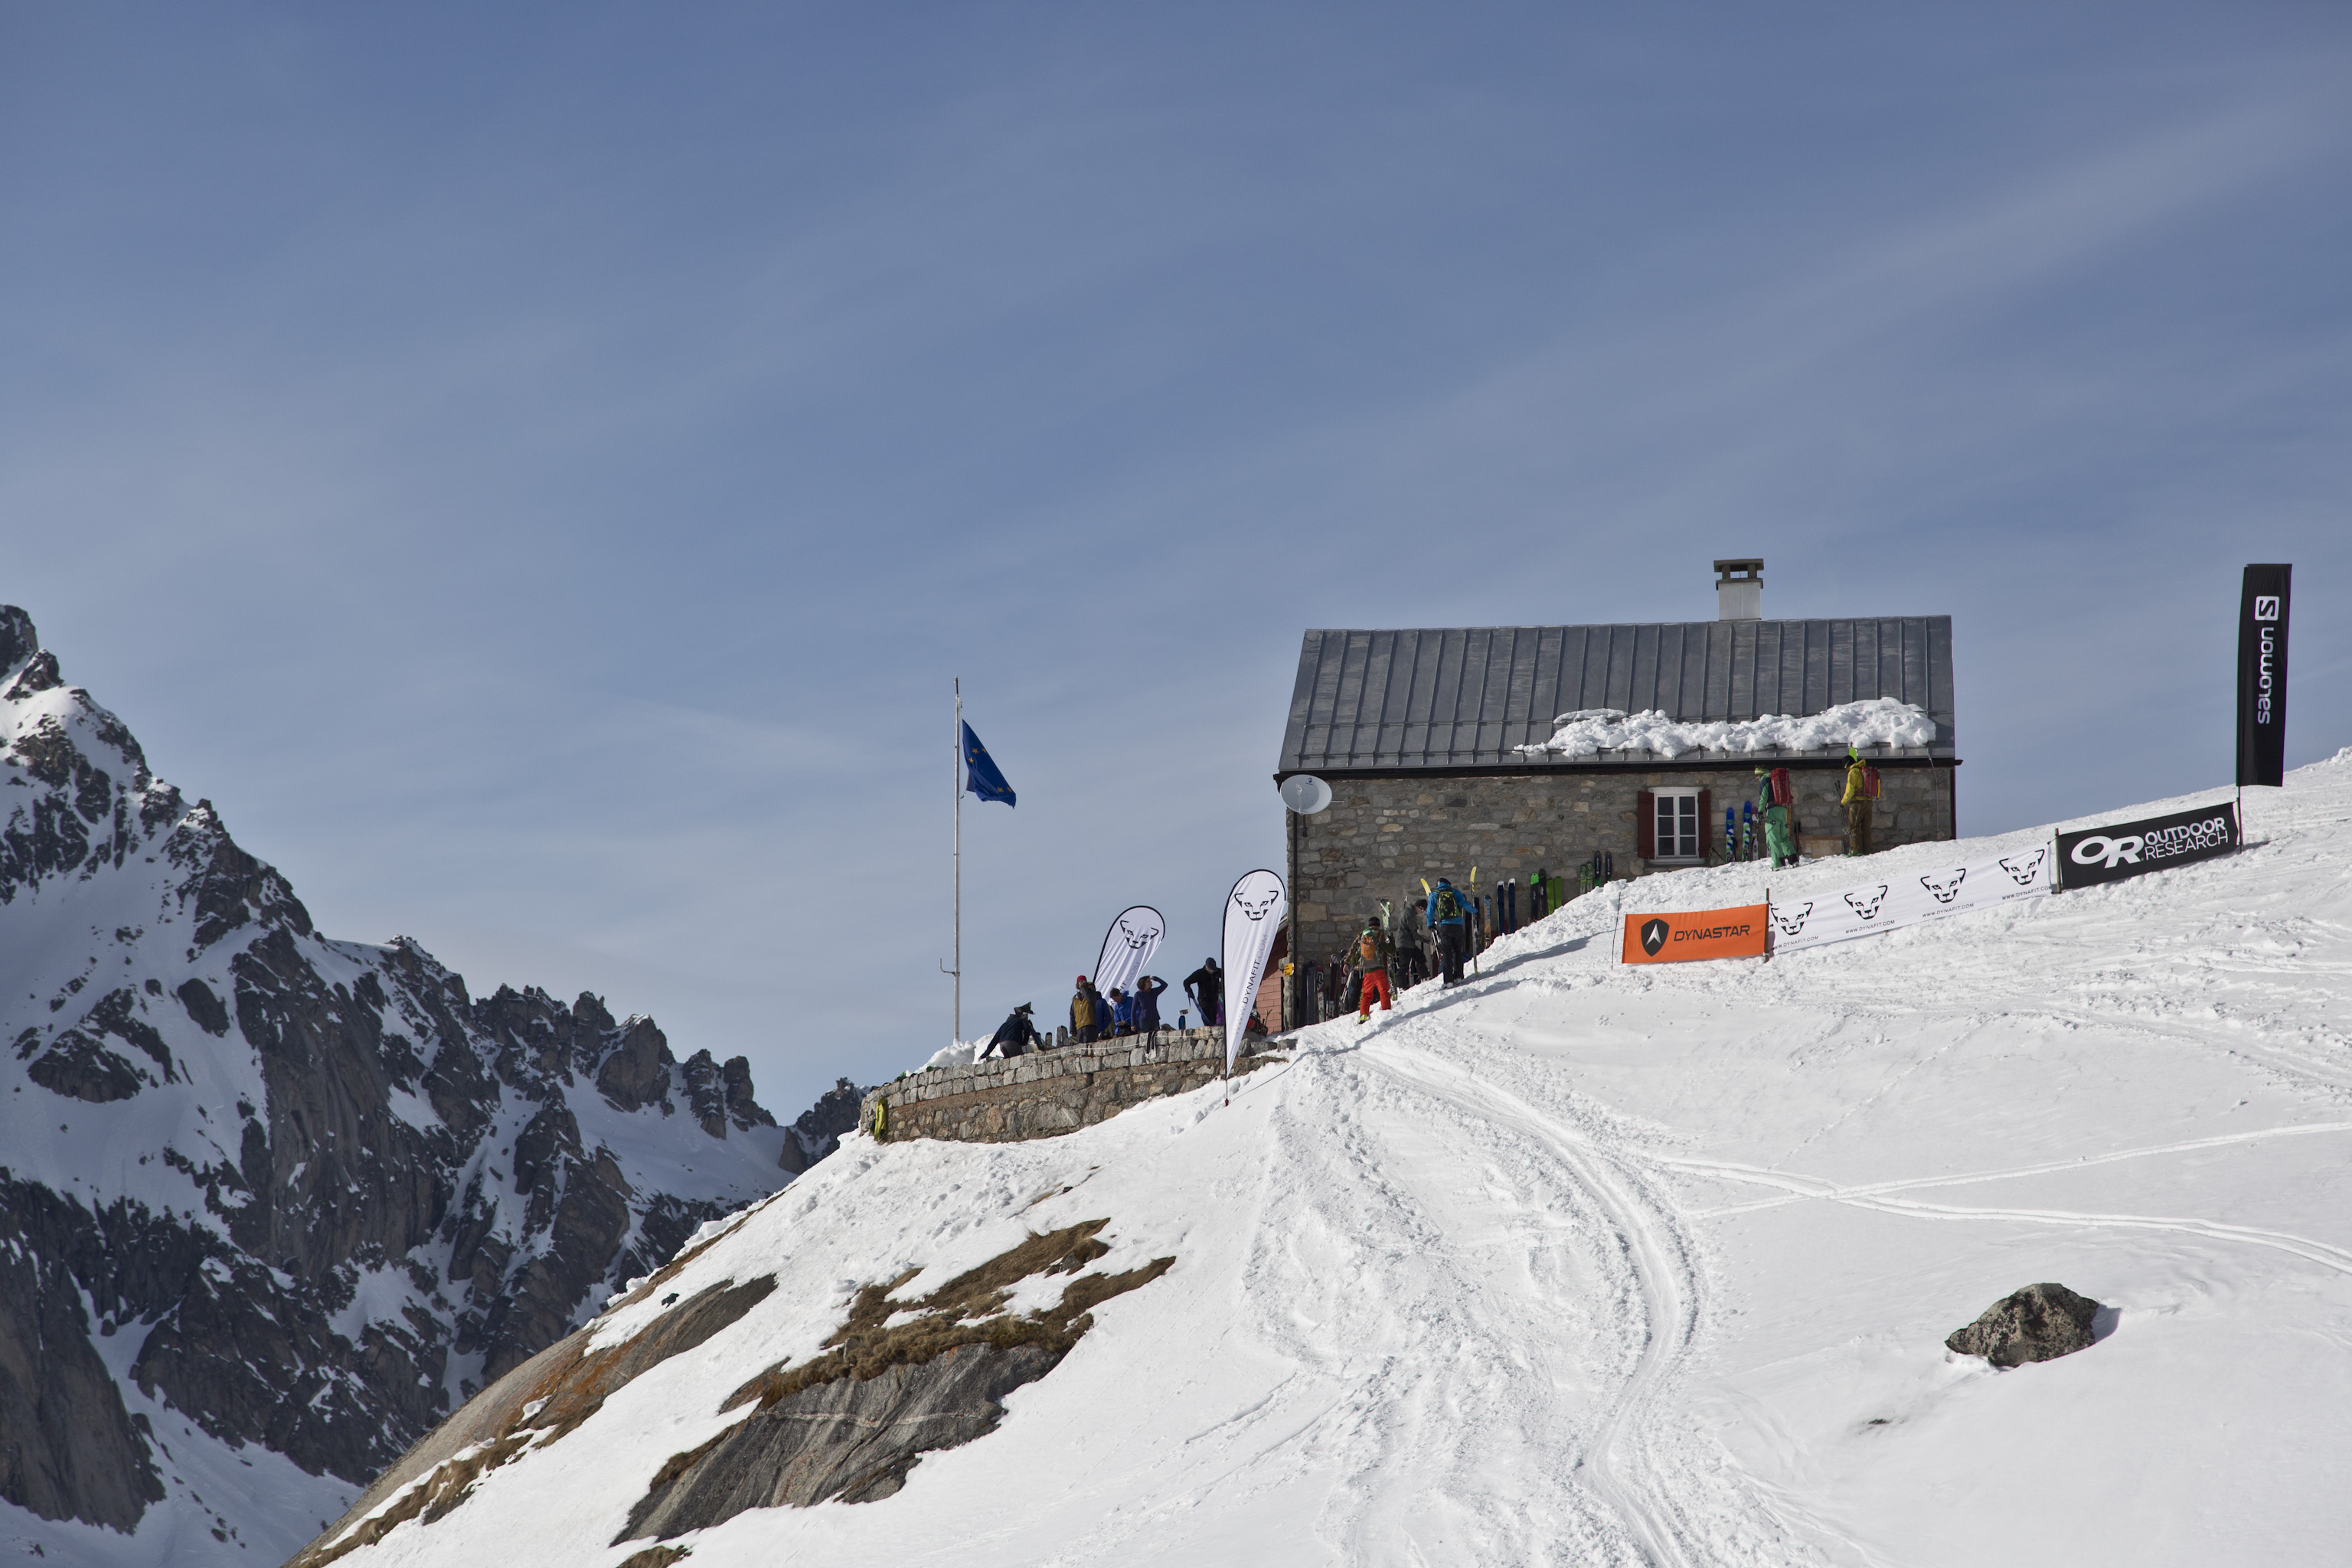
(898, 1379)
(2041, 1323)
(276, 1192)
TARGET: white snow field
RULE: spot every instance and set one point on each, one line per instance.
(1592, 1264)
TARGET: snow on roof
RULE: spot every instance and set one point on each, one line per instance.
(1881, 721)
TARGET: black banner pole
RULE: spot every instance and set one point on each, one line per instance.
(2262, 607)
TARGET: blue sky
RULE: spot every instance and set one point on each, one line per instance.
(537, 470)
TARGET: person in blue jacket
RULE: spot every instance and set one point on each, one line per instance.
(1123, 1012)
(1448, 914)
(1148, 988)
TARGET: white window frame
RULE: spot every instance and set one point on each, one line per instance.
(1667, 821)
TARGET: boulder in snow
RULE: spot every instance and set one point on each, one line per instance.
(2041, 1323)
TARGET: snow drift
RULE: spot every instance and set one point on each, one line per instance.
(1589, 1264)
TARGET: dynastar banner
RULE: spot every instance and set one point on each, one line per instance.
(1695, 933)
(2123, 849)
(2262, 677)
(1128, 946)
(1255, 911)
(1910, 897)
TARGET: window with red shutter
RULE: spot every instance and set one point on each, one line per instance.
(1674, 829)
(1705, 824)
(1646, 825)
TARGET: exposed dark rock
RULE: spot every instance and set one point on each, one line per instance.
(818, 1131)
(847, 1439)
(80, 1069)
(897, 1380)
(18, 640)
(543, 1300)
(747, 1111)
(67, 1448)
(38, 675)
(636, 1074)
(207, 1009)
(2041, 1323)
(705, 1094)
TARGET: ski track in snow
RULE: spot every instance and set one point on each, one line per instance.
(1658, 1252)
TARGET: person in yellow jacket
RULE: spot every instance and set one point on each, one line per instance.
(1857, 802)
(1086, 1012)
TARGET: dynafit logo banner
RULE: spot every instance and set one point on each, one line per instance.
(1917, 894)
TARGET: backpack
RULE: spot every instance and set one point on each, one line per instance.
(1368, 946)
(1449, 905)
(1777, 790)
(1869, 782)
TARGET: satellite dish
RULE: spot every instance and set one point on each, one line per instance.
(1305, 794)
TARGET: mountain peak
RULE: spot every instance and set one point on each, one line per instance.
(276, 1192)
(18, 640)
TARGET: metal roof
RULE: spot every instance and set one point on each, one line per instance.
(1463, 697)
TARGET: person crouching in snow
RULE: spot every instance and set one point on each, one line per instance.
(1014, 1036)
(1372, 958)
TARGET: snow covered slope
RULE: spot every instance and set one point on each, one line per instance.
(271, 1203)
(1589, 1264)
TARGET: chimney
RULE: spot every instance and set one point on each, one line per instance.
(1738, 590)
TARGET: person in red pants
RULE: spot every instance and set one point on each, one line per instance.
(1372, 957)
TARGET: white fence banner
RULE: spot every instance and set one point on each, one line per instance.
(1128, 946)
(1910, 898)
(1255, 911)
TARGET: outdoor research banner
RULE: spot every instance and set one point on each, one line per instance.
(2121, 849)
(1255, 911)
(1911, 898)
(1134, 936)
(1696, 933)
(2261, 676)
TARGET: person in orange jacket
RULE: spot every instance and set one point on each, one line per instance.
(1372, 958)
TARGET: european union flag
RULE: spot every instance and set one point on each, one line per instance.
(980, 775)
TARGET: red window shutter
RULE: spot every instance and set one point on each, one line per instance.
(1646, 825)
(1706, 823)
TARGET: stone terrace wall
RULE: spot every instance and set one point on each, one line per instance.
(1047, 1093)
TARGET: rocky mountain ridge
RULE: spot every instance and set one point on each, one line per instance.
(271, 1203)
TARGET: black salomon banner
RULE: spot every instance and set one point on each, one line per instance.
(2123, 849)
(2261, 676)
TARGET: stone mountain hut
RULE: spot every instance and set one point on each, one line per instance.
(1418, 733)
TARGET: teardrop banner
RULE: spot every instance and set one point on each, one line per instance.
(1698, 933)
(1255, 911)
(1134, 936)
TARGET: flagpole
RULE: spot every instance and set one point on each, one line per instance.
(957, 1035)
